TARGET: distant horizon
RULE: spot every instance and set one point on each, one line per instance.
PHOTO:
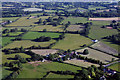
(60, 0)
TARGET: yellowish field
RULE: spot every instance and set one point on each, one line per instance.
(28, 43)
(75, 28)
(58, 28)
(104, 19)
(105, 58)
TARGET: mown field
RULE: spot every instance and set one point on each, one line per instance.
(34, 35)
(115, 67)
(72, 41)
(58, 28)
(40, 69)
(105, 58)
(28, 43)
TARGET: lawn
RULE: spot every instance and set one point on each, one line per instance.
(5, 57)
(13, 34)
(28, 43)
(115, 66)
(40, 69)
(72, 41)
(74, 20)
(34, 35)
(23, 21)
(58, 28)
(7, 40)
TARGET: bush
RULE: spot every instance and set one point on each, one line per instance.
(85, 52)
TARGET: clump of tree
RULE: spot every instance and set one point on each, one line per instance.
(42, 39)
(85, 52)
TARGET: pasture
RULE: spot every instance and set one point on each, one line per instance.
(75, 28)
(80, 63)
(72, 41)
(44, 52)
(105, 58)
(115, 66)
(94, 8)
(9, 18)
(32, 9)
(58, 28)
(28, 43)
(40, 69)
(13, 34)
(34, 35)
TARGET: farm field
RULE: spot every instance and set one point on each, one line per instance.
(34, 35)
(32, 9)
(23, 21)
(7, 40)
(28, 43)
(105, 58)
(40, 69)
(75, 28)
(44, 52)
(58, 28)
(5, 56)
(72, 41)
(80, 63)
(115, 67)
(5, 72)
(94, 8)
(104, 19)
(52, 75)
(13, 34)
(9, 18)
(35, 14)
(74, 20)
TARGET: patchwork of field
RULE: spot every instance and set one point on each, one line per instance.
(72, 41)
(40, 69)
(75, 28)
(9, 58)
(34, 35)
(28, 43)
(80, 63)
(13, 34)
(115, 66)
(44, 52)
(104, 19)
(58, 28)
(103, 47)
(105, 58)
(23, 21)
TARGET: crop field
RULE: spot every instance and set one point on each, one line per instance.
(44, 52)
(40, 69)
(103, 47)
(9, 18)
(28, 43)
(23, 21)
(94, 8)
(50, 10)
(105, 58)
(19, 28)
(32, 9)
(75, 28)
(35, 14)
(5, 58)
(72, 41)
(104, 19)
(80, 63)
(34, 35)
(13, 34)
(58, 28)
(52, 75)
(74, 20)
(115, 66)
(7, 40)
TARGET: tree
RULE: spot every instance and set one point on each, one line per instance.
(85, 52)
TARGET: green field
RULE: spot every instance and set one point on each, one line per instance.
(115, 67)
(58, 28)
(13, 34)
(34, 35)
(5, 72)
(7, 40)
(9, 18)
(28, 43)
(74, 20)
(42, 69)
(72, 41)
(94, 8)
(5, 57)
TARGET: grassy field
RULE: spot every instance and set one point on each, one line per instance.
(5, 72)
(58, 28)
(74, 20)
(94, 8)
(72, 41)
(28, 43)
(5, 57)
(34, 35)
(23, 21)
(9, 18)
(75, 28)
(41, 69)
(115, 67)
(7, 40)
(35, 14)
(13, 34)
(105, 58)
(80, 63)
(19, 28)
